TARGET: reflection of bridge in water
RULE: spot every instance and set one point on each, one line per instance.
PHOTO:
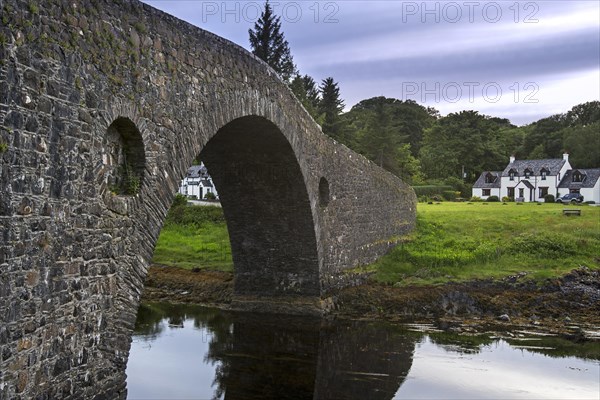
(280, 357)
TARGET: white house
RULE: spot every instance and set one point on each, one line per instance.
(197, 183)
(583, 181)
(531, 180)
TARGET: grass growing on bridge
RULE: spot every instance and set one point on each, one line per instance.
(461, 241)
(453, 241)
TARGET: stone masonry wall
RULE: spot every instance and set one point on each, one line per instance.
(103, 106)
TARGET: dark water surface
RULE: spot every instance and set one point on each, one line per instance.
(190, 352)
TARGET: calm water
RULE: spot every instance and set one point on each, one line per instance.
(188, 352)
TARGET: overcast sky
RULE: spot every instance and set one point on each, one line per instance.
(519, 60)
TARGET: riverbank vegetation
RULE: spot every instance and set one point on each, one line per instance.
(464, 241)
(452, 242)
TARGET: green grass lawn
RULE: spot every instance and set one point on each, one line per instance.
(194, 237)
(453, 241)
(461, 241)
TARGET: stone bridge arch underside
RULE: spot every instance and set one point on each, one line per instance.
(103, 107)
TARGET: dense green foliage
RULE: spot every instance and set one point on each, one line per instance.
(460, 241)
(306, 91)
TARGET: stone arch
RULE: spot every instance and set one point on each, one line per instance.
(267, 208)
(123, 157)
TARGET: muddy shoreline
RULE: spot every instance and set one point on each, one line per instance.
(568, 306)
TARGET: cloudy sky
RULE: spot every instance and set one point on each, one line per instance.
(521, 60)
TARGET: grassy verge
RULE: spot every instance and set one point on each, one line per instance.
(194, 237)
(461, 241)
(452, 242)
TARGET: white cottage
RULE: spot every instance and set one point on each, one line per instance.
(583, 181)
(531, 180)
(197, 183)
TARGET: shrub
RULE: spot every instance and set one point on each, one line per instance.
(506, 199)
(437, 197)
(179, 200)
(430, 190)
(549, 198)
(210, 196)
(423, 199)
(493, 199)
(195, 215)
(475, 198)
(450, 195)
(458, 184)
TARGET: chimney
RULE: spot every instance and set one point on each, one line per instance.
(512, 159)
(566, 156)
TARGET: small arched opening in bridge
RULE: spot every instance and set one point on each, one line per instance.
(267, 209)
(123, 157)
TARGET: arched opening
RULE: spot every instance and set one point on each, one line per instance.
(124, 158)
(323, 192)
(267, 209)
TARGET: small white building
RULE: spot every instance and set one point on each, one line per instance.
(531, 180)
(197, 183)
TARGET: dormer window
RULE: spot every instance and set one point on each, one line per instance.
(489, 178)
(528, 173)
(577, 176)
(544, 173)
(512, 174)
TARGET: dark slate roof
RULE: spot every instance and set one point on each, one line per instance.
(591, 176)
(197, 171)
(553, 165)
(480, 182)
(526, 183)
(207, 183)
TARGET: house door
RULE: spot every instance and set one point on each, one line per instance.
(511, 192)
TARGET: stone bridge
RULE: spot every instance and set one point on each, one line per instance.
(103, 106)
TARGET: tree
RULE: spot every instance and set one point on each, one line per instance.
(331, 105)
(583, 145)
(306, 91)
(584, 114)
(463, 139)
(268, 43)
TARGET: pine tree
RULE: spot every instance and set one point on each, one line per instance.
(268, 43)
(306, 91)
(331, 106)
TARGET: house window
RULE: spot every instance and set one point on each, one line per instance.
(527, 173)
(577, 176)
(489, 178)
(512, 175)
(485, 192)
(521, 192)
(543, 192)
(544, 173)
